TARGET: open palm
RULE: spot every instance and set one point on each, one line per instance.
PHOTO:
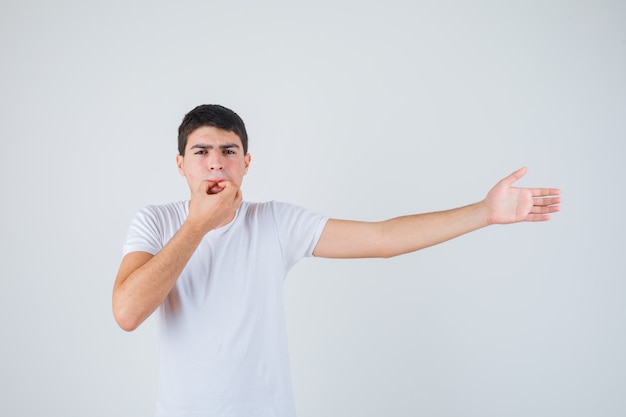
(508, 204)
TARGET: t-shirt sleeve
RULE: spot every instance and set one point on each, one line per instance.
(299, 230)
(144, 234)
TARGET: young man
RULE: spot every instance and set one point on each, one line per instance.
(214, 267)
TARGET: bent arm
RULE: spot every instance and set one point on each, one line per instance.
(503, 204)
(144, 280)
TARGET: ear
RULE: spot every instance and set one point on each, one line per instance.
(247, 160)
(179, 163)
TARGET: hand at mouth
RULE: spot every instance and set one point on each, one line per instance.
(216, 185)
(214, 189)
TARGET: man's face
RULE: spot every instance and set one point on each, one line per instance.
(213, 154)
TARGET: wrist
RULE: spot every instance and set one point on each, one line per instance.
(483, 211)
(192, 232)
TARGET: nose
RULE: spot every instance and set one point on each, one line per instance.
(215, 162)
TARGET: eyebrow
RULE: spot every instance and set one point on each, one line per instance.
(206, 146)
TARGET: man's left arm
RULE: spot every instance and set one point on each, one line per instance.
(504, 204)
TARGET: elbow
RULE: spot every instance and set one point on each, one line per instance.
(386, 250)
(123, 317)
(126, 324)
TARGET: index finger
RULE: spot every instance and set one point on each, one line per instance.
(545, 192)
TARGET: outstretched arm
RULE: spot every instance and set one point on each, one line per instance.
(503, 204)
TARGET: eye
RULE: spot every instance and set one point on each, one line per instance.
(200, 152)
(229, 152)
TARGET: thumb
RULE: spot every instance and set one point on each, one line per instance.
(513, 177)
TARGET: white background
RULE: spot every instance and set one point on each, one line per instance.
(361, 110)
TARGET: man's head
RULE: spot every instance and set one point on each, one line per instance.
(212, 146)
(212, 115)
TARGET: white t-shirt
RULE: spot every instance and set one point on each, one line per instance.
(221, 330)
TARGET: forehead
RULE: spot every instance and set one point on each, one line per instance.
(210, 135)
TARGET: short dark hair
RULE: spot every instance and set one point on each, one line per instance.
(211, 115)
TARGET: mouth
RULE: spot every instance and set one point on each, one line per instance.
(216, 188)
(217, 178)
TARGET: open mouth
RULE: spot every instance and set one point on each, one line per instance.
(214, 190)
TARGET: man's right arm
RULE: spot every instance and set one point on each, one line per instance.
(144, 280)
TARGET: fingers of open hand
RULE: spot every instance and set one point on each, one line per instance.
(537, 217)
(543, 207)
(545, 192)
(513, 177)
(548, 203)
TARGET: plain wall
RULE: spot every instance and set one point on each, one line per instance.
(362, 110)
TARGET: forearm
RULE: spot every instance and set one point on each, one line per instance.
(410, 233)
(354, 239)
(141, 286)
